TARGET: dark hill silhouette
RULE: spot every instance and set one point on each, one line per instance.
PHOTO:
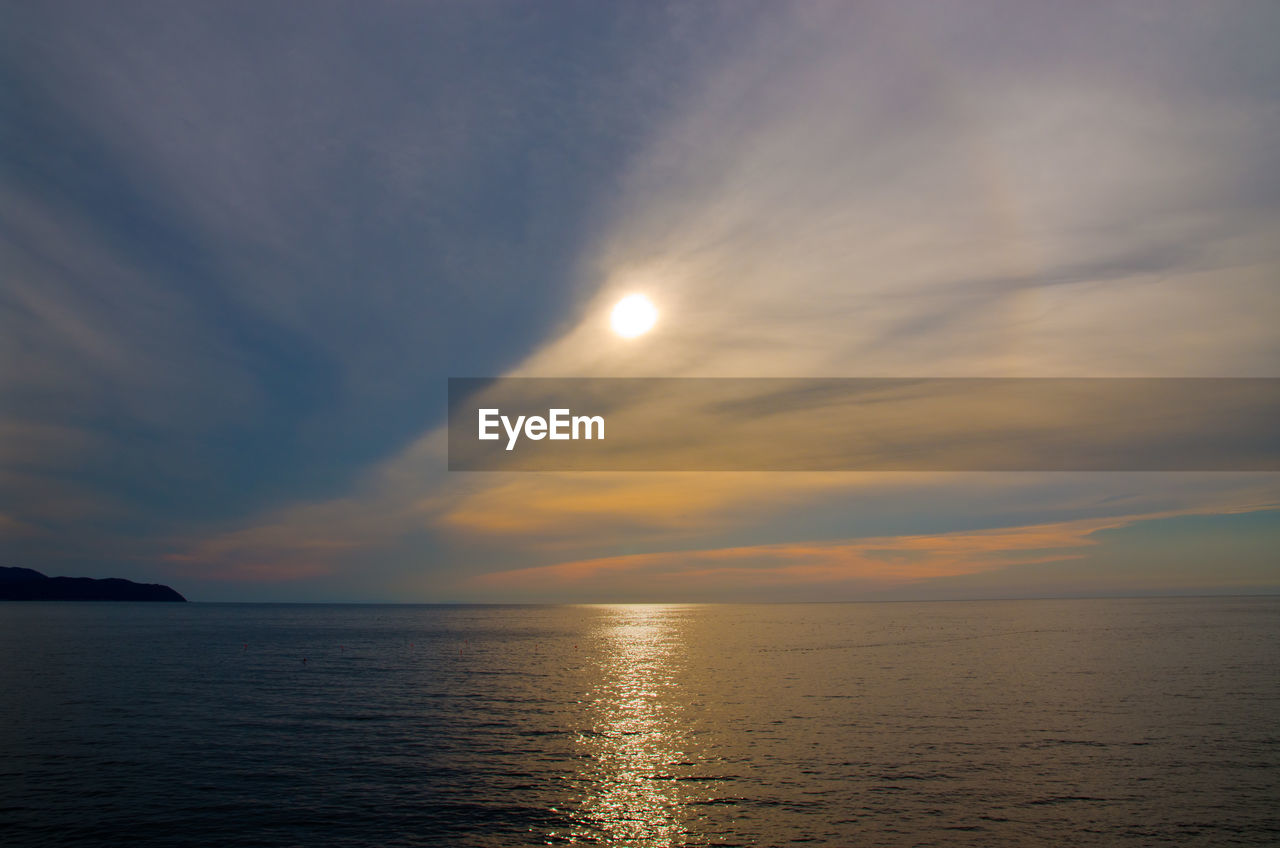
(25, 584)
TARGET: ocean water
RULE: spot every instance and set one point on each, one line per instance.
(1081, 722)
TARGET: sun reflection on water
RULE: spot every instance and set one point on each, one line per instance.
(632, 736)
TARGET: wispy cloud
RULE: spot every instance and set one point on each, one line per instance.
(238, 250)
(280, 248)
(834, 570)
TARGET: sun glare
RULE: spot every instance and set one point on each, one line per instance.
(633, 316)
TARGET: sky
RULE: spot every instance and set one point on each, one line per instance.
(243, 246)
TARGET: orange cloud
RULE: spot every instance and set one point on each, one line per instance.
(553, 510)
(268, 554)
(11, 527)
(861, 564)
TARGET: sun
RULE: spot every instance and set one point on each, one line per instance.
(634, 315)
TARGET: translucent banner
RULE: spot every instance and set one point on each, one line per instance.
(872, 424)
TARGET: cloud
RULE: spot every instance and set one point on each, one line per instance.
(12, 527)
(554, 510)
(898, 193)
(833, 570)
(239, 249)
(889, 189)
(260, 554)
(882, 191)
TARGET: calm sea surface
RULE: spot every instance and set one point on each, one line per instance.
(1108, 722)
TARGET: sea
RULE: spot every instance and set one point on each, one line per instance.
(1041, 722)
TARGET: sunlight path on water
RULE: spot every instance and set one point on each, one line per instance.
(631, 744)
